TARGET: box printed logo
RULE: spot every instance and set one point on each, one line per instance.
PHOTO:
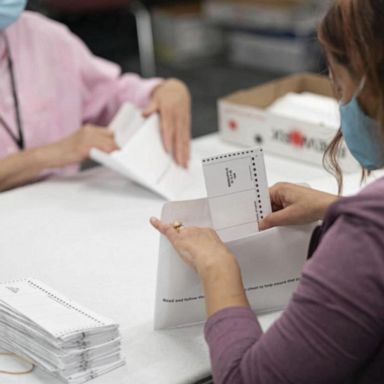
(297, 139)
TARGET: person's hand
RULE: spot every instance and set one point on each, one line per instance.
(172, 101)
(296, 205)
(75, 148)
(201, 248)
(218, 269)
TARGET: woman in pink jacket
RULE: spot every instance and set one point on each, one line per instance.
(56, 98)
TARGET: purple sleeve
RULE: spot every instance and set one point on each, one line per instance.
(333, 325)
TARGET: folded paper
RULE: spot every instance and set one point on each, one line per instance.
(143, 159)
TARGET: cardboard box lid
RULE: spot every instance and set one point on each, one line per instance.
(264, 95)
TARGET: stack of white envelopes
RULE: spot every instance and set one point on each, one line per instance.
(57, 335)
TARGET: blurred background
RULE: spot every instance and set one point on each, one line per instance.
(215, 46)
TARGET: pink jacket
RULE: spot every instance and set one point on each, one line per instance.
(60, 84)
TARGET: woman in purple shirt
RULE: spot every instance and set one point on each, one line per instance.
(333, 329)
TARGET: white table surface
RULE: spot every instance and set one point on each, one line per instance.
(88, 237)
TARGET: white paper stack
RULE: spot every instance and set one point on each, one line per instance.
(308, 107)
(58, 335)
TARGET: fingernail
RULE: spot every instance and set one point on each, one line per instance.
(153, 220)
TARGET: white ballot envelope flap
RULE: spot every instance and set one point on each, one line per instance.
(238, 194)
(143, 159)
(126, 123)
(271, 263)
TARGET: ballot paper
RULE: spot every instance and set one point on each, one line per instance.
(271, 263)
(56, 334)
(237, 191)
(143, 159)
(308, 107)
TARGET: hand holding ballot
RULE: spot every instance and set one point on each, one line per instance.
(220, 238)
(142, 158)
(296, 205)
(76, 147)
(172, 101)
(153, 145)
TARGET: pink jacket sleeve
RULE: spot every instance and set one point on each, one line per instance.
(105, 89)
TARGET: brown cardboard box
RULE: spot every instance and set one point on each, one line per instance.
(244, 119)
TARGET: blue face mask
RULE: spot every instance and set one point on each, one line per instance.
(10, 11)
(362, 134)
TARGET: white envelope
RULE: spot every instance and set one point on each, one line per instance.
(271, 263)
(142, 157)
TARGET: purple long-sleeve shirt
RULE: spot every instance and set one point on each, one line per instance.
(333, 329)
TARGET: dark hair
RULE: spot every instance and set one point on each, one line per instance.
(352, 33)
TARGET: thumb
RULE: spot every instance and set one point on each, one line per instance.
(107, 132)
(278, 219)
(151, 108)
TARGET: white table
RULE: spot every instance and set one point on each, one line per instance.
(88, 237)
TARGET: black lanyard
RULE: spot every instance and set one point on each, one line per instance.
(19, 141)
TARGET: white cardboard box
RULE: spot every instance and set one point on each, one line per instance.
(245, 120)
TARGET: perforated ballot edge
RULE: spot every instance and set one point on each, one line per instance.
(237, 190)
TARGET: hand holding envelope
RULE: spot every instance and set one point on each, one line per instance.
(237, 265)
(203, 250)
(200, 248)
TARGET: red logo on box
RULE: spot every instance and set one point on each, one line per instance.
(296, 138)
(233, 126)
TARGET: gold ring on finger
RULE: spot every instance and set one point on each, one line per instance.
(178, 226)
